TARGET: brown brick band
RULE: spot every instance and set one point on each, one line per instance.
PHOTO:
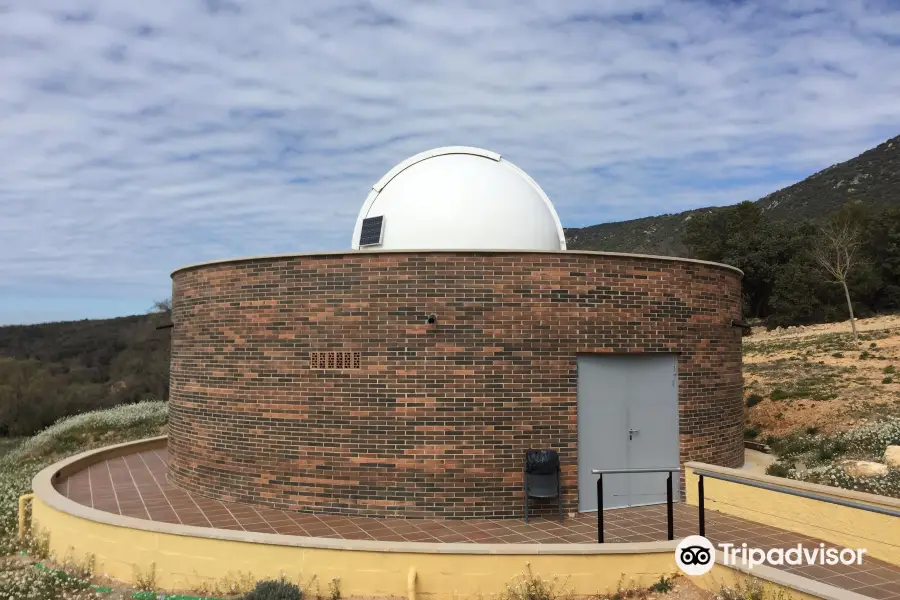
(431, 420)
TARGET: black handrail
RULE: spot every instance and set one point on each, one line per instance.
(670, 520)
(775, 488)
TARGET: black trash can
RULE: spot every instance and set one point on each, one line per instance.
(542, 477)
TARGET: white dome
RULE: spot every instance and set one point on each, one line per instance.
(460, 198)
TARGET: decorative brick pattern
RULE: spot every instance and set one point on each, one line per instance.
(334, 360)
(435, 420)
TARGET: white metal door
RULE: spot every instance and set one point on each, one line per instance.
(653, 425)
(602, 431)
(627, 419)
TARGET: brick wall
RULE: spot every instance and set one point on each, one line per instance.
(428, 420)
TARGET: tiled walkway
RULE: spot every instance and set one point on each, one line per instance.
(136, 486)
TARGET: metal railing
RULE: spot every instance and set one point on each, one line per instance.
(601, 472)
(783, 490)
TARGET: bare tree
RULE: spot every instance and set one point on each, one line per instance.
(162, 306)
(837, 254)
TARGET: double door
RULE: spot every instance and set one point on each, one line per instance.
(627, 419)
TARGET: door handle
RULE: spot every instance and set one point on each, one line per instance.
(631, 433)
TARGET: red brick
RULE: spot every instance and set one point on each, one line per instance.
(435, 420)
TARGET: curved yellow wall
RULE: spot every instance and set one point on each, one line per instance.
(184, 562)
(191, 558)
(850, 527)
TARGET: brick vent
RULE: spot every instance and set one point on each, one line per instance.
(332, 359)
(435, 419)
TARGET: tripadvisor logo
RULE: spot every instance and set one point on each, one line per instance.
(794, 556)
(696, 555)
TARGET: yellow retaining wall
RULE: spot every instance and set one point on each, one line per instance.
(840, 525)
(184, 562)
(183, 557)
(797, 587)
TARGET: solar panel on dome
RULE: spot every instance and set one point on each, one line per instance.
(371, 231)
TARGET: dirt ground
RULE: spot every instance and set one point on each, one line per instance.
(815, 377)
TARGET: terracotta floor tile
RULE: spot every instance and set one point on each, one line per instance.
(419, 536)
(303, 517)
(348, 531)
(320, 532)
(887, 575)
(243, 511)
(875, 591)
(867, 578)
(134, 482)
(841, 581)
(133, 510)
(252, 523)
(289, 529)
(215, 510)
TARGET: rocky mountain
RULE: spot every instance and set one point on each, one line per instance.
(873, 177)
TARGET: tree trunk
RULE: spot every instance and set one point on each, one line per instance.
(850, 308)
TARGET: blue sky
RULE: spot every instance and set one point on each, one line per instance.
(136, 137)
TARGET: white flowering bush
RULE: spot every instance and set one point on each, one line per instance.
(21, 580)
(834, 475)
(15, 480)
(820, 455)
(750, 589)
(871, 439)
(77, 432)
(18, 579)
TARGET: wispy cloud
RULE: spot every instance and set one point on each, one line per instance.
(136, 137)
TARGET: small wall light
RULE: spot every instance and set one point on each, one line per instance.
(431, 319)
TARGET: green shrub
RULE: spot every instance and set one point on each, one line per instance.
(777, 470)
(838, 355)
(812, 430)
(779, 394)
(831, 449)
(887, 380)
(279, 589)
(751, 432)
(664, 585)
(753, 400)
(864, 355)
(890, 369)
(873, 345)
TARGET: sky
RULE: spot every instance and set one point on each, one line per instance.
(136, 137)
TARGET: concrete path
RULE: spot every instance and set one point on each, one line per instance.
(756, 461)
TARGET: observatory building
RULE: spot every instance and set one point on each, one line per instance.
(407, 376)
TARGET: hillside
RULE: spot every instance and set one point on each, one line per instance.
(52, 370)
(873, 178)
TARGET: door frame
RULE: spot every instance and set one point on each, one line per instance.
(676, 478)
